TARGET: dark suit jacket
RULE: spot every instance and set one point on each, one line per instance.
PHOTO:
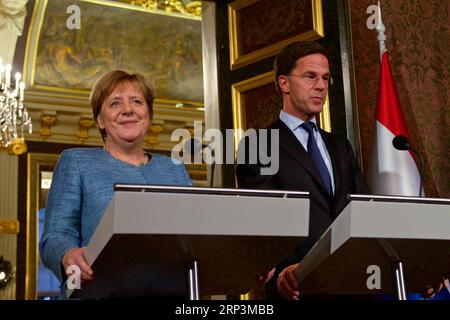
(298, 172)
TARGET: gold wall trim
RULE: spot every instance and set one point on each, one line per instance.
(325, 116)
(17, 147)
(81, 98)
(237, 90)
(65, 91)
(318, 17)
(237, 60)
(67, 97)
(138, 7)
(9, 226)
(34, 162)
(168, 7)
(29, 258)
(32, 41)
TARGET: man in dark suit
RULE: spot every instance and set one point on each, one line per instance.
(310, 159)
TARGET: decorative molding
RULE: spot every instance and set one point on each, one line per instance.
(12, 15)
(9, 226)
(84, 124)
(269, 36)
(325, 116)
(70, 125)
(156, 128)
(17, 147)
(186, 7)
(152, 137)
(47, 121)
(35, 163)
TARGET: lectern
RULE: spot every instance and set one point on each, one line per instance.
(164, 241)
(381, 244)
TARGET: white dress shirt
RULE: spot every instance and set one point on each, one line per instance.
(294, 124)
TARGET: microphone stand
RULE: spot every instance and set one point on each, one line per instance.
(401, 142)
(421, 169)
(213, 168)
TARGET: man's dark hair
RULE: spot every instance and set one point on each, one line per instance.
(286, 59)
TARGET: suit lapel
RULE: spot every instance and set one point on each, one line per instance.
(295, 149)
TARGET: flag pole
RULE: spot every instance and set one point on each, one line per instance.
(397, 263)
(380, 29)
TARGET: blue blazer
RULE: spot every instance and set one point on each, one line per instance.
(82, 187)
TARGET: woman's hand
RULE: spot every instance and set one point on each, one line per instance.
(287, 284)
(75, 256)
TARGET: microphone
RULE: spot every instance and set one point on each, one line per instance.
(402, 143)
(193, 146)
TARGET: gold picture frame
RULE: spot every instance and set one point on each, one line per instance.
(97, 51)
(35, 163)
(240, 56)
(240, 89)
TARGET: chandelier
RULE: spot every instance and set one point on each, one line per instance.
(14, 117)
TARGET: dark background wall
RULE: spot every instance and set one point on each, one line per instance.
(418, 41)
(334, 19)
(418, 44)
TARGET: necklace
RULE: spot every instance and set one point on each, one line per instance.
(142, 163)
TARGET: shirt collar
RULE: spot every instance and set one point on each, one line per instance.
(292, 121)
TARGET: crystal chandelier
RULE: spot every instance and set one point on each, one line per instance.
(14, 117)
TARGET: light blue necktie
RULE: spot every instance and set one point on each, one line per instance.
(314, 153)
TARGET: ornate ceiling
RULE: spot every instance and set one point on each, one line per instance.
(185, 7)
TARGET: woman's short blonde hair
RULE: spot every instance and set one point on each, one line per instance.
(110, 81)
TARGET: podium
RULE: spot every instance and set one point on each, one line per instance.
(380, 244)
(162, 242)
